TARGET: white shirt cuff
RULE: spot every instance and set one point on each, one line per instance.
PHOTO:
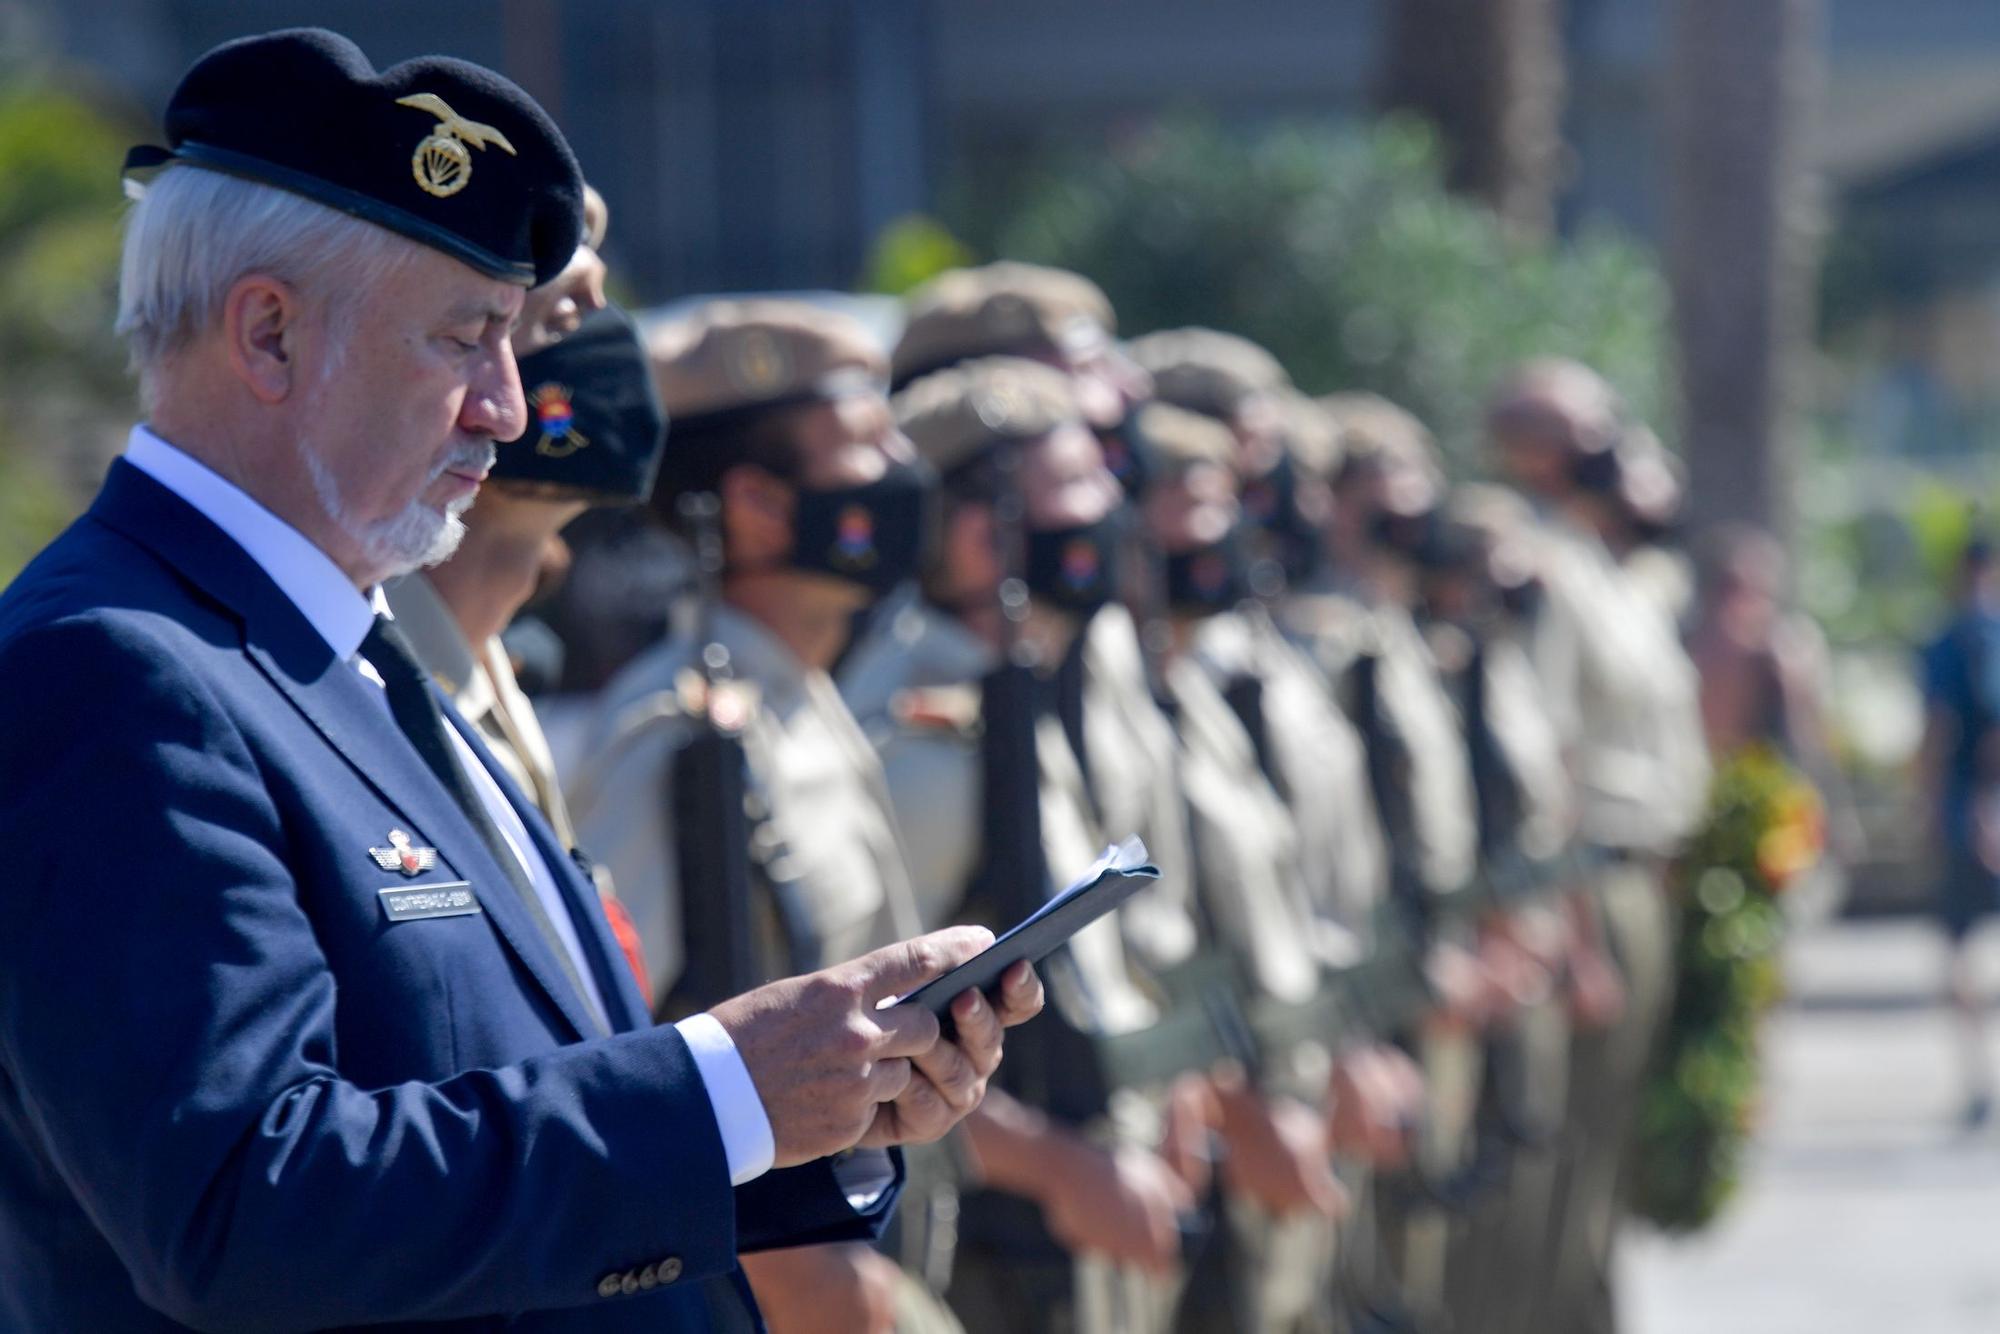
(747, 1145)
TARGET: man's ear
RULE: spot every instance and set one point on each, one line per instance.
(260, 327)
(756, 515)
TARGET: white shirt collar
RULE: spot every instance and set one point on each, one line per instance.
(327, 598)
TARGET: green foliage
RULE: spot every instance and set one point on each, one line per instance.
(59, 221)
(1342, 252)
(910, 251)
(32, 510)
(1764, 828)
(59, 238)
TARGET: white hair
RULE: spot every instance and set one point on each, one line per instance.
(192, 233)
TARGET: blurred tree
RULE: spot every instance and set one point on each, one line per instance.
(1342, 252)
(908, 252)
(1740, 244)
(67, 392)
(1489, 75)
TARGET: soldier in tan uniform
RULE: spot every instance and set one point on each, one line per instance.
(1306, 743)
(1616, 681)
(1252, 877)
(787, 468)
(1480, 605)
(1027, 499)
(1124, 745)
(596, 441)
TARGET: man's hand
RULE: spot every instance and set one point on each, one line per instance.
(839, 1289)
(1374, 1103)
(1464, 991)
(1278, 1154)
(1123, 1204)
(1596, 992)
(1193, 1120)
(834, 1071)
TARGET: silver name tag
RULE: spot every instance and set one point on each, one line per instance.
(451, 898)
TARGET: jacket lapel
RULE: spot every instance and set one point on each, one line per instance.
(339, 703)
(614, 980)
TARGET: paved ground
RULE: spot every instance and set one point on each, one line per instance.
(1866, 1209)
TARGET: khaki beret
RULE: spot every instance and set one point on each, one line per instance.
(954, 416)
(1178, 440)
(1311, 434)
(1557, 401)
(733, 356)
(1208, 371)
(1496, 513)
(999, 309)
(1372, 430)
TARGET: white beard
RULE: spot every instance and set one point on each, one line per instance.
(417, 537)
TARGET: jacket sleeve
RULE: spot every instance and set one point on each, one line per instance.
(166, 1022)
(807, 1205)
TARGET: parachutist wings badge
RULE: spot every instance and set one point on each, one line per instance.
(441, 163)
(401, 856)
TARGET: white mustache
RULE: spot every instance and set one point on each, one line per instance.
(475, 456)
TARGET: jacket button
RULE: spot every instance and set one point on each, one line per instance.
(649, 1278)
(629, 1282)
(670, 1269)
(608, 1286)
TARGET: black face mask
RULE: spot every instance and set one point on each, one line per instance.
(1208, 579)
(1075, 569)
(1417, 538)
(1521, 600)
(874, 535)
(1125, 447)
(1272, 503)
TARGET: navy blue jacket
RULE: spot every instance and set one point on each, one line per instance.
(233, 1094)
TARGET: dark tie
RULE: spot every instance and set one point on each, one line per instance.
(415, 709)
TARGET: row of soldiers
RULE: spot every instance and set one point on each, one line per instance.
(1411, 760)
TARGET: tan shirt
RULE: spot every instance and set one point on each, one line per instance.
(1320, 766)
(1333, 627)
(1248, 872)
(482, 688)
(1622, 694)
(829, 840)
(1133, 756)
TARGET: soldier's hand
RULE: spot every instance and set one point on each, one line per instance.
(834, 1289)
(1374, 1103)
(1123, 1204)
(1278, 1154)
(1518, 979)
(1187, 1140)
(825, 1059)
(1595, 992)
(1464, 993)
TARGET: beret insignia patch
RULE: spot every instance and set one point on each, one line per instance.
(557, 418)
(442, 164)
(1000, 405)
(854, 538)
(758, 362)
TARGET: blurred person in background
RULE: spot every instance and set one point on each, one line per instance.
(1621, 693)
(787, 474)
(1960, 767)
(1069, 1218)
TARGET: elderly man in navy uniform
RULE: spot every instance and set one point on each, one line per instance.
(346, 1040)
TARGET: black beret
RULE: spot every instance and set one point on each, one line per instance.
(596, 424)
(443, 151)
